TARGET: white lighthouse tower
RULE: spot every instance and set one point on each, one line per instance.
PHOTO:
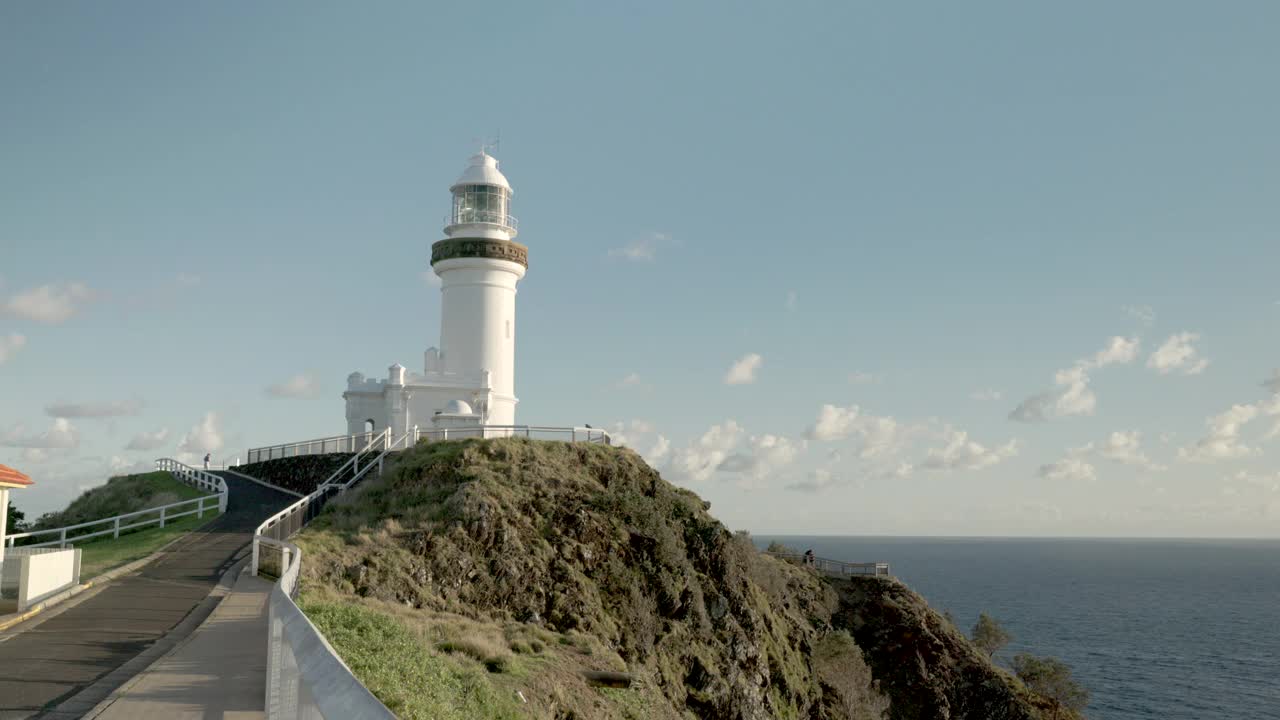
(479, 266)
(469, 381)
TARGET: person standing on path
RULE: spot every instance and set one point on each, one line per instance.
(206, 461)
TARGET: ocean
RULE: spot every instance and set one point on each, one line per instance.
(1168, 629)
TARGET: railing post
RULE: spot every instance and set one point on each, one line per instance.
(162, 516)
(117, 529)
(62, 538)
(200, 508)
(253, 564)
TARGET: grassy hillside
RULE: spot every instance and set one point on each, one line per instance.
(483, 578)
(120, 495)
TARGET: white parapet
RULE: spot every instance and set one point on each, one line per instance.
(29, 575)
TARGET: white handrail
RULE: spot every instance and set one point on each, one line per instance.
(291, 519)
(116, 526)
(315, 446)
(350, 443)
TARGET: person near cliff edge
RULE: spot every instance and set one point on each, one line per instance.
(808, 557)
(206, 461)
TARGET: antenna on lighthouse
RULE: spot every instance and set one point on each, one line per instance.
(489, 145)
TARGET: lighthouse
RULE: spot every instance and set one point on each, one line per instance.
(468, 380)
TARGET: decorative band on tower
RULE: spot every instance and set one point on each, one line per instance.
(451, 248)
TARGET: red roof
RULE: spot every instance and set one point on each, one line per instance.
(9, 476)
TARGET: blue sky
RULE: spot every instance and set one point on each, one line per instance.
(935, 215)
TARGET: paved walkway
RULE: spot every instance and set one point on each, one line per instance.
(220, 671)
(70, 650)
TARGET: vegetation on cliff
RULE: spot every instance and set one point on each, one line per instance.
(501, 571)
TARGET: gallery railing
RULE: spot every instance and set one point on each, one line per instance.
(834, 567)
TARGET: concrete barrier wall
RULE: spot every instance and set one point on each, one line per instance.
(305, 677)
(30, 575)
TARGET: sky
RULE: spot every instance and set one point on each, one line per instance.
(865, 268)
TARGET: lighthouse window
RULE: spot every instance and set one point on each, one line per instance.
(480, 203)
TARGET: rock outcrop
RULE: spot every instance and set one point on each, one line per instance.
(587, 541)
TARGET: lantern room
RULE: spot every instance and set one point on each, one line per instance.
(481, 202)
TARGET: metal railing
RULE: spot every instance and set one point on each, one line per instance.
(834, 567)
(195, 477)
(305, 677)
(318, 446)
(539, 432)
(279, 527)
(164, 513)
(357, 441)
(482, 217)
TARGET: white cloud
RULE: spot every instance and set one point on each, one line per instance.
(301, 385)
(185, 279)
(61, 436)
(1070, 468)
(1118, 351)
(793, 301)
(743, 372)
(658, 452)
(205, 437)
(764, 455)
(50, 304)
(985, 394)
(10, 345)
(816, 480)
(123, 466)
(1126, 448)
(631, 380)
(1178, 353)
(961, 453)
(699, 460)
(644, 249)
(880, 436)
(148, 440)
(636, 434)
(863, 378)
(1072, 395)
(116, 408)
(1223, 439)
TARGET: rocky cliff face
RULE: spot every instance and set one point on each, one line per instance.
(587, 542)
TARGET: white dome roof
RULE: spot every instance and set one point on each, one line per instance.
(458, 407)
(482, 171)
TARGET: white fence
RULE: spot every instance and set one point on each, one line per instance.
(839, 568)
(163, 514)
(30, 574)
(318, 446)
(359, 441)
(536, 432)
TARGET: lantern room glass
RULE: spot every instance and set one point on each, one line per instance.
(480, 204)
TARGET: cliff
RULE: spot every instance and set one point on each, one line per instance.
(505, 570)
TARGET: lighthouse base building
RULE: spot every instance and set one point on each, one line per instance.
(468, 381)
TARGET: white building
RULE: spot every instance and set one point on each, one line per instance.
(469, 380)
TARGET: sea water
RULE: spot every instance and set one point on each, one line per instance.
(1168, 629)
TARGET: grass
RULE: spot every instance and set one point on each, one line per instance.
(122, 494)
(399, 667)
(106, 553)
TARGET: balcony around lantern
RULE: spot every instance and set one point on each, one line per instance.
(482, 217)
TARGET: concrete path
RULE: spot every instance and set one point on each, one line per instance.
(218, 672)
(73, 650)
